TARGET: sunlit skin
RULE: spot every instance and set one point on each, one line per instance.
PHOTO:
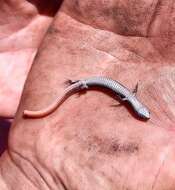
(87, 143)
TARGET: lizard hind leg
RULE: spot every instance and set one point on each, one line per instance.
(69, 82)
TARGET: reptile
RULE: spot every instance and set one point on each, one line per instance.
(103, 82)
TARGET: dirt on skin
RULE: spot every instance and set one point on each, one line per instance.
(87, 143)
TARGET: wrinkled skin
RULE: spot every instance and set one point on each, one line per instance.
(22, 27)
(86, 143)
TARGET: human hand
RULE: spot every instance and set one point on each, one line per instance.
(86, 144)
(22, 27)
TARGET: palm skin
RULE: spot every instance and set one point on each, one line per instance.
(86, 143)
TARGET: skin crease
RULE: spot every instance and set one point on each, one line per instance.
(22, 28)
(86, 143)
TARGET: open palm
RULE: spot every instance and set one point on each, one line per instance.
(86, 143)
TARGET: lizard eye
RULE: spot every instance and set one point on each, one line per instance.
(144, 113)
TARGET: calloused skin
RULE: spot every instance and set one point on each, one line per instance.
(86, 143)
